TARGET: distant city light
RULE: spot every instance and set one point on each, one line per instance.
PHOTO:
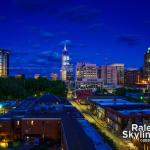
(3, 144)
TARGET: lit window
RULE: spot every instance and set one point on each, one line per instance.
(32, 122)
(18, 123)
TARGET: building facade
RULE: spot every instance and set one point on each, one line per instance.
(66, 72)
(43, 120)
(86, 83)
(119, 114)
(147, 65)
(86, 70)
(120, 73)
(86, 76)
(4, 63)
(54, 76)
(132, 76)
(109, 75)
(99, 72)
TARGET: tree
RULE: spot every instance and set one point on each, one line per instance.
(120, 91)
(12, 88)
(101, 91)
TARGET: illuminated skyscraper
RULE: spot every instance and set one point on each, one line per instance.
(4, 63)
(66, 68)
(86, 76)
(86, 70)
(147, 65)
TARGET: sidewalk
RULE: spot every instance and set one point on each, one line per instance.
(120, 143)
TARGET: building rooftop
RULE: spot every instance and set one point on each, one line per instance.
(135, 111)
(113, 102)
(131, 107)
(96, 138)
(2, 50)
(73, 125)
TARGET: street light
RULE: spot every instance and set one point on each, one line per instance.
(142, 98)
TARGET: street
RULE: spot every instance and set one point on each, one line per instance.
(120, 143)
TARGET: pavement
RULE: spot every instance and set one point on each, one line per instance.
(120, 143)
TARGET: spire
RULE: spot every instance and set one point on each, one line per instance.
(65, 47)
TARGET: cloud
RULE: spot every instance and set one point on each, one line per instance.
(82, 45)
(96, 27)
(38, 32)
(67, 42)
(62, 33)
(23, 62)
(47, 35)
(19, 53)
(81, 14)
(129, 40)
(52, 7)
(46, 57)
(49, 57)
(33, 5)
(35, 46)
(35, 29)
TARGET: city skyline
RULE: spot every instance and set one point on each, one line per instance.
(35, 33)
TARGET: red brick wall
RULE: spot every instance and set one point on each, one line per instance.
(48, 128)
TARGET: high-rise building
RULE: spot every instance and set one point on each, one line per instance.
(147, 65)
(54, 76)
(99, 72)
(132, 76)
(66, 68)
(120, 73)
(86, 70)
(109, 75)
(86, 76)
(4, 63)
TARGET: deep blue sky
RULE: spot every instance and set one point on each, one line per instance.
(97, 31)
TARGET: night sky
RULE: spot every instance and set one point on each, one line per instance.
(96, 31)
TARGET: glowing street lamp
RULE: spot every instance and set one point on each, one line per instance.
(141, 98)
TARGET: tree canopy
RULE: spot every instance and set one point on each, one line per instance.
(13, 88)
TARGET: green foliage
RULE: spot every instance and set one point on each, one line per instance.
(101, 91)
(134, 91)
(12, 88)
(120, 91)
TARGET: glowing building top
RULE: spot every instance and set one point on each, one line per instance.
(65, 57)
(66, 68)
